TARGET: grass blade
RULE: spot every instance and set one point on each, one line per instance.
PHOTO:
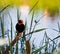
(31, 21)
(4, 8)
(18, 14)
(34, 6)
(38, 50)
(11, 48)
(55, 30)
(16, 48)
(2, 27)
(58, 27)
(36, 31)
(56, 37)
(24, 38)
(11, 26)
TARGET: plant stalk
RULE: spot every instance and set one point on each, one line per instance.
(12, 43)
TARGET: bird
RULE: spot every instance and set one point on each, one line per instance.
(20, 26)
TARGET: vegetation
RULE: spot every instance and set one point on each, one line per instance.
(48, 46)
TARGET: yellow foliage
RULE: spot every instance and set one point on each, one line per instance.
(42, 4)
(8, 2)
(17, 2)
(48, 4)
(1, 3)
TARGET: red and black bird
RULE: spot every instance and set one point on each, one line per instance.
(20, 26)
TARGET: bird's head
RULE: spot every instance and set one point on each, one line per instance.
(20, 22)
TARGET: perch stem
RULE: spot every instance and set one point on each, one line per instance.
(27, 47)
(12, 43)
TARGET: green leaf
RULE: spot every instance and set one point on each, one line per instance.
(36, 31)
(38, 50)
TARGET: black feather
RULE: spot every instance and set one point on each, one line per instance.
(20, 28)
